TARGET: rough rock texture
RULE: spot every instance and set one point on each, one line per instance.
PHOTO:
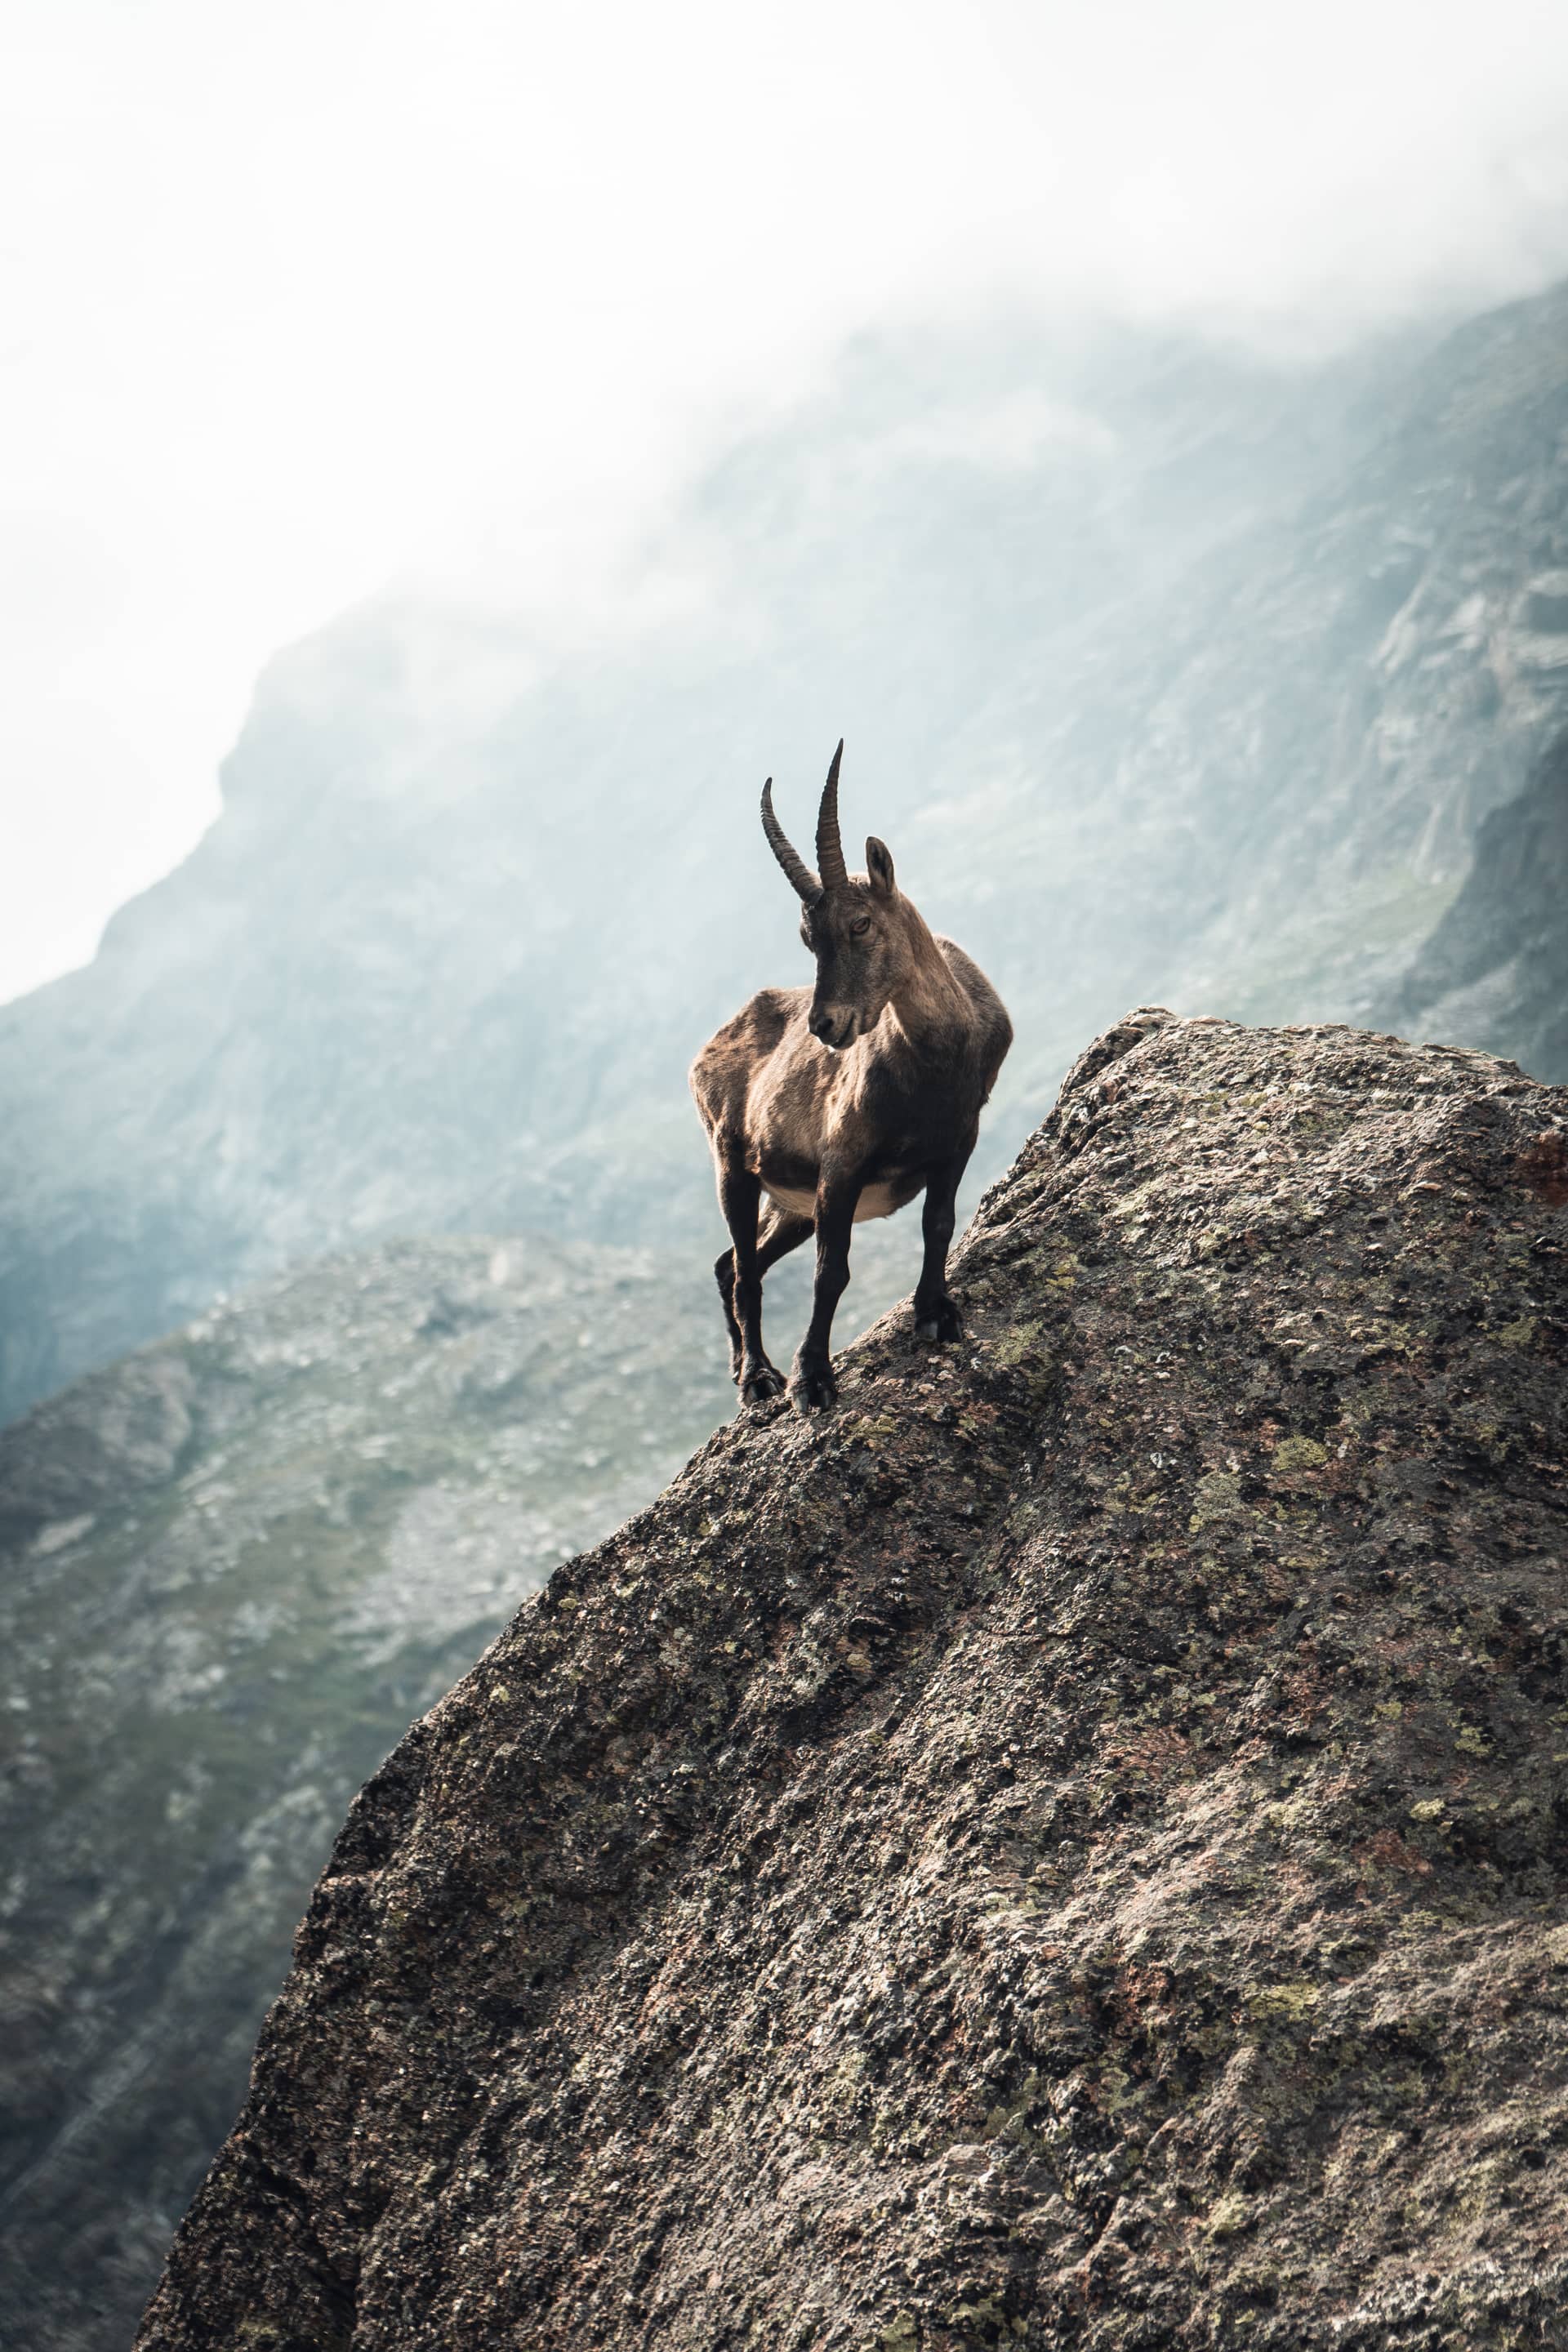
(1067, 1849)
(1164, 672)
(1495, 971)
(231, 1568)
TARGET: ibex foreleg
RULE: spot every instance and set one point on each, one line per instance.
(936, 1317)
(810, 1381)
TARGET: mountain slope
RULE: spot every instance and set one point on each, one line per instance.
(1164, 671)
(1270, 781)
(231, 1570)
(1066, 1850)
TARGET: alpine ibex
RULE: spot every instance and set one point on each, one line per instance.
(844, 1100)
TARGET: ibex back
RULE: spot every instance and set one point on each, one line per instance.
(845, 1100)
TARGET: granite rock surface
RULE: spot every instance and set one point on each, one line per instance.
(1066, 1850)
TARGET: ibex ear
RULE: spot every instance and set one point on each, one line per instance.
(879, 867)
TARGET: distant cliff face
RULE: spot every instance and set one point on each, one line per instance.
(1496, 968)
(231, 1568)
(1163, 672)
(1271, 773)
(1066, 1850)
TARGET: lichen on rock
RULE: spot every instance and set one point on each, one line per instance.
(1067, 1851)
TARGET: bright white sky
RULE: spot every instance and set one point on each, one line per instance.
(300, 296)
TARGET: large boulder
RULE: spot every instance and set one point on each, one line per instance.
(1066, 1849)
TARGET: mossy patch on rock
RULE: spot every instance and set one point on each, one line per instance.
(1299, 1454)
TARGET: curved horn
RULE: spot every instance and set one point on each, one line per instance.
(829, 848)
(800, 874)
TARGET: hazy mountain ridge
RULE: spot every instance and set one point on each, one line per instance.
(231, 1568)
(1164, 671)
(1310, 737)
(1065, 1851)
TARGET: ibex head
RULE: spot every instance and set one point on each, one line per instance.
(848, 921)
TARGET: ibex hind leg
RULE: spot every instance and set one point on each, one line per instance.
(739, 1196)
(780, 1231)
(725, 1275)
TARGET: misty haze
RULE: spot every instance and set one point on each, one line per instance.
(399, 654)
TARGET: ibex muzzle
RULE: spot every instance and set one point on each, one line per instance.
(845, 1100)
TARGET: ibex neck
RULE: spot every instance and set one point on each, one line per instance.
(928, 1003)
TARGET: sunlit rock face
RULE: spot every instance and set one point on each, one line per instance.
(1066, 1850)
(232, 1570)
(1164, 671)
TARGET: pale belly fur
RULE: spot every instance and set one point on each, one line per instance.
(876, 1201)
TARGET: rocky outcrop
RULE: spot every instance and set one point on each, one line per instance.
(231, 1568)
(1495, 971)
(1066, 1850)
(1164, 672)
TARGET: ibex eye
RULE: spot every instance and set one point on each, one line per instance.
(862, 926)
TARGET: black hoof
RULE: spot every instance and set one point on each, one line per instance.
(941, 1321)
(812, 1388)
(760, 1385)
